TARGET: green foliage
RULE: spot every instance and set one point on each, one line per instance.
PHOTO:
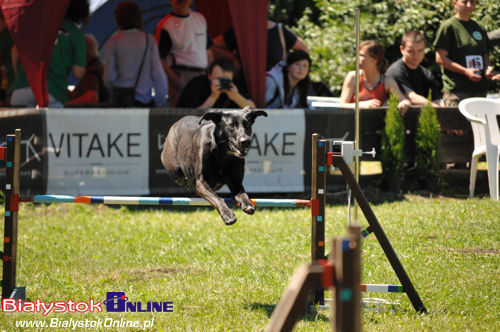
(427, 142)
(393, 143)
(331, 36)
(289, 12)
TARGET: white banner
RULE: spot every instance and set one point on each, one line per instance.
(98, 151)
(275, 162)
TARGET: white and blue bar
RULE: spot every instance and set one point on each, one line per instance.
(178, 201)
(381, 288)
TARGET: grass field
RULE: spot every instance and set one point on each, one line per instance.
(230, 278)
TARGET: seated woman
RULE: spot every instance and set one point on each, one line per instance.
(287, 84)
(374, 87)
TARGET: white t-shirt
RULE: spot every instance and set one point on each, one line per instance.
(189, 38)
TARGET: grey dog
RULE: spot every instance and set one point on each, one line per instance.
(208, 152)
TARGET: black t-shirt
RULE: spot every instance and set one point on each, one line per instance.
(274, 48)
(419, 80)
(197, 90)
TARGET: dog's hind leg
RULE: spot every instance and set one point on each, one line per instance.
(170, 161)
(206, 192)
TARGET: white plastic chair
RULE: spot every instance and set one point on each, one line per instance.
(482, 114)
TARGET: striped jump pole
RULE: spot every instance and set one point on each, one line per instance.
(318, 202)
(381, 288)
(175, 201)
(11, 156)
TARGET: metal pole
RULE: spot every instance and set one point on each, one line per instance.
(356, 115)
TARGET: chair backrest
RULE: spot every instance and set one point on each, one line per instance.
(482, 113)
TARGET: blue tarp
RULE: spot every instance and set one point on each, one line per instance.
(102, 24)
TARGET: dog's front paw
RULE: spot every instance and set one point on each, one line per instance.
(247, 207)
(229, 218)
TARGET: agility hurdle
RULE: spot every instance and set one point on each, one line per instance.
(320, 162)
(322, 159)
(11, 155)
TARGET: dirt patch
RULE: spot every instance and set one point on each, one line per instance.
(153, 272)
(476, 251)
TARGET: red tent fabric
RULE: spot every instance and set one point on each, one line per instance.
(34, 25)
(250, 24)
(217, 14)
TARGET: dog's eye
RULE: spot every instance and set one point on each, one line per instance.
(234, 124)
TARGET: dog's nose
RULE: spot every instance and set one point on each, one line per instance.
(245, 143)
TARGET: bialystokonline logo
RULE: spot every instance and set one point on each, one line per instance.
(115, 302)
(118, 302)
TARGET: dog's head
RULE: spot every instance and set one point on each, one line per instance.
(234, 128)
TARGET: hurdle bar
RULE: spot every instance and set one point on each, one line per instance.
(381, 288)
(175, 201)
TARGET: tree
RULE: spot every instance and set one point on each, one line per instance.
(331, 37)
(393, 146)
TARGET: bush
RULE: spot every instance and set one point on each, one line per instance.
(331, 36)
(392, 146)
(427, 143)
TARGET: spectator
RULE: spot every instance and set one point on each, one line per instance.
(7, 74)
(374, 87)
(288, 82)
(280, 40)
(68, 55)
(413, 79)
(184, 44)
(90, 89)
(215, 90)
(132, 64)
(462, 49)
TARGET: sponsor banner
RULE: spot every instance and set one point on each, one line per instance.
(97, 151)
(275, 161)
(33, 153)
(160, 120)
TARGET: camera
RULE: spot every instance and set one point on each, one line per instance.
(224, 83)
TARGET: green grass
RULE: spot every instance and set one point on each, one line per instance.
(224, 278)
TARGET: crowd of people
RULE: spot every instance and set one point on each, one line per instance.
(181, 66)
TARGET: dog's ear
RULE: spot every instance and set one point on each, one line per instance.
(214, 115)
(253, 113)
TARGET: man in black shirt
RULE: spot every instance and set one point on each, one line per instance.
(215, 90)
(413, 79)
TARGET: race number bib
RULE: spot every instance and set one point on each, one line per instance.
(474, 62)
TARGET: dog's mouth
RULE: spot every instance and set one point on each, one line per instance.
(238, 152)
